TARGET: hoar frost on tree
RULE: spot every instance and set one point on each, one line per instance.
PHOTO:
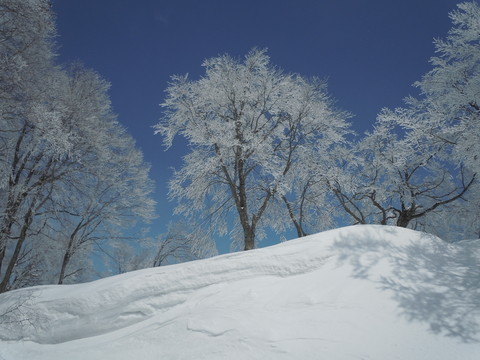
(69, 173)
(309, 201)
(250, 127)
(182, 242)
(111, 189)
(447, 112)
(449, 109)
(398, 179)
(419, 166)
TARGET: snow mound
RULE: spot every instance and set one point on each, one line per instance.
(360, 292)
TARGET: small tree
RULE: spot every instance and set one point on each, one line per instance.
(183, 242)
(246, 122)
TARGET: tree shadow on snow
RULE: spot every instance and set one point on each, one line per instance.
(433, 282)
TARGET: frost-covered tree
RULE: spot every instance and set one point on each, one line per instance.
(448, 109)
(440, 130)
(67, 167)
(181, 242)
(111, 188)
(247, 123)
(29, 125)
(310, 202)
(399, 178)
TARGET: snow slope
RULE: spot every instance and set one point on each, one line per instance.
(360, 292)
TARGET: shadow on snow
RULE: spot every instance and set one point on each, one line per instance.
(433, 282)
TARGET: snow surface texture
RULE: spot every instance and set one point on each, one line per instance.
(360, 292)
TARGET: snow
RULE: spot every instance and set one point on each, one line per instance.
(360, 292)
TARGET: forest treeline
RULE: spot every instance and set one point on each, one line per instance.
(268, 151)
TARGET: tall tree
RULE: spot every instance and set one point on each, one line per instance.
(436, 155)
(448, 109)
(246, 122)
(31, 136)
(67, 168)
(111, 189)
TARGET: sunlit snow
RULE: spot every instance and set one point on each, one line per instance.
(360, 292)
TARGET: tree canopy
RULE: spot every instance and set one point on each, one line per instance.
(248, 124)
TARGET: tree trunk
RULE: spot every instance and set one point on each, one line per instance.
(344, 200)
(8, 221)
(21, 239)
(249, 239)
(403, 219)
(68, 253)
(12, 203)
(248, 230)
(66, 260)
(298, 227)
(297, 224)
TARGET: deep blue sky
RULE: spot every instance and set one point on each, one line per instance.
(370, 50)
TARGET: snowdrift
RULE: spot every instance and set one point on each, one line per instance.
(360, 292)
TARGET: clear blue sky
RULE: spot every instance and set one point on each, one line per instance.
(370, 50)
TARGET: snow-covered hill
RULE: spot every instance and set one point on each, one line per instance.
(360, 292)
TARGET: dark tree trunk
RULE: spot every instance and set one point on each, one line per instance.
(66, 260)
(403, 220)
(296, 223)
(69, 251)
(21, 239)
(8, 221)
(300, 231)
(249, 237)
(239, 192)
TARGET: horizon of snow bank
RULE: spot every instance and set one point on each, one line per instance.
(359, 292)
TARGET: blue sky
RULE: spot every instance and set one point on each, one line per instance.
(370, 50)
